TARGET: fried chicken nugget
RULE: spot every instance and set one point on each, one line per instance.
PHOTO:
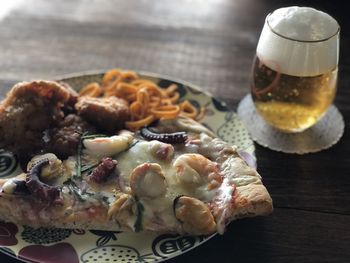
(27, 111)
(109, 114)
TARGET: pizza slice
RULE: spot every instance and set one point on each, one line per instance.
(173, 176)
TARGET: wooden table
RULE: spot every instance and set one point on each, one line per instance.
(211, 44)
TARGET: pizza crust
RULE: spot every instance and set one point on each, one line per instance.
(252, 200)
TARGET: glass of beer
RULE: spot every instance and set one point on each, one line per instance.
(294, 74)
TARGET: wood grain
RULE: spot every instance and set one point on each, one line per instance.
(211, 44)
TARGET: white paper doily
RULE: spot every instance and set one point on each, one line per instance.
(325, 133)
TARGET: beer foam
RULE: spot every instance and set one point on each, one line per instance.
(282, 45)
(303, 23)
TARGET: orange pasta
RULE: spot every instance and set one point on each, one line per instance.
(175, 97)
(137, 110)
(128, 76)
(92, 90)
(166, 111)
(139, 82)
(148, 101)
(171, 89)
(110, 76)
(188, 109)
(123, 90)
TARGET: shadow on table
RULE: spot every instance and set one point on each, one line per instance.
(243, 241)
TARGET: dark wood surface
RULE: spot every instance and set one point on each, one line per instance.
(211, 44)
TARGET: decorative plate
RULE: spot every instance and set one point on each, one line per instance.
(66, 245)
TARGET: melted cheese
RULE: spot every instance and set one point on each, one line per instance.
(235, 169)
(138, 154)
(162, 207)
(142, 153)
(223, 200)
(158, 206)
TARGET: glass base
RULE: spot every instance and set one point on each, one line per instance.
(325, 133)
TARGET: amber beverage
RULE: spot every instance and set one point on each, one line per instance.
(291, 103)
(294, 77)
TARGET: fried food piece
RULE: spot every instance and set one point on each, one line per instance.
(109, 114)
(73, 97)
(64, 138)
(27, 111)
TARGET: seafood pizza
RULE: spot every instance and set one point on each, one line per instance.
(120, 155)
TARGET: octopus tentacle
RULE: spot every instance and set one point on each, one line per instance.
(175, 137)
(37, 188)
